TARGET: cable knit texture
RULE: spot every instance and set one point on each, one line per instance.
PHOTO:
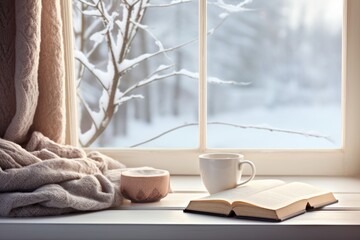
(47, 178)
(7, 64)
(27, 44)
(50, 112)
(44, 177)
(38, 72)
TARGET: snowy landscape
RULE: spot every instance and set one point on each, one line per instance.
(272, 65)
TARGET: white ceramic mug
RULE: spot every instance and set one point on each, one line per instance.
(221, 171)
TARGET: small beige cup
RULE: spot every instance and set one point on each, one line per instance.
(145, 185)
(222, 171)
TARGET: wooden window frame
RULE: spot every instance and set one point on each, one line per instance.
(344, 161)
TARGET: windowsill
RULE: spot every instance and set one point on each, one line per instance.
(165, 219)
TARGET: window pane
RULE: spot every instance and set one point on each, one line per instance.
(285, 59)
(152, 87)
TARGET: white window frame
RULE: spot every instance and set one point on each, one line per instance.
(344, 161)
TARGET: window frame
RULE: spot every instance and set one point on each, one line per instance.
(344, 161)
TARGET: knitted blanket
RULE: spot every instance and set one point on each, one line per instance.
(47, 178)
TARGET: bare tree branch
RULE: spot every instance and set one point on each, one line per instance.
(88, 3)
(119, 42)
(125, 99)
(85, 62)
(231, 8)
(87, 108)
(151, 79)
(172, 3)
(129, 64)
(305, 134)
(160, 69)
(164, 133)
(112, 103)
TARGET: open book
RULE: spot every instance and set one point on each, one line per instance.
(272, 200)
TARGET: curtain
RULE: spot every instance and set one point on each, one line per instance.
(38, 175)
(32, 70)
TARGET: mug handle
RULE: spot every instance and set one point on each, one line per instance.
(253, 169)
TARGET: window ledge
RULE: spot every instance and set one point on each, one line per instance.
(165, 219)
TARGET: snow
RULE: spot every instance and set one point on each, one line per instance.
(215, 80)
(297, 118)
(104, 77)
(97, 37)
(128, 63)
(152, 35)
(85, 137)
(210, 79)
(104, 100)
(278, 96)
(173, 2)
(112, 20)
(107, 77)
(189, 73)
(88, 3)
(323, 120)
(119, 38)
(127, 98)
(92, 12)
(118, 95)
(223, 15)
(163, 67)
(230, 7)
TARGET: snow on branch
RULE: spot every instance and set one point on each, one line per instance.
(94, 4)
(92, 12)
(127, 64)
(146, 29)
(90, 29)
(118, 32)
(97, 117)
(153, 78)
(215, 80)
(119, 27)
(98, 37)
(305, 134)
(156, 77)
(101, 76)
(231, 8)
(162, 68)
(88, 109)
(211, 80)
(85, 137)
(172, 3)
(125, 99)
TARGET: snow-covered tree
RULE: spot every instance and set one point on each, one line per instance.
(119, 54)
(105, 31)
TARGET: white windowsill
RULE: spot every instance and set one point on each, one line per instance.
(165, 219)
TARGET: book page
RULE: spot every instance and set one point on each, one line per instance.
(281, 196)
(243, 192)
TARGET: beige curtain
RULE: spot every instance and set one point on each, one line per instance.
(32, 70)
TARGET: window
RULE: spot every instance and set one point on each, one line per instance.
(334, 161)
(135, 72)
(284, 57)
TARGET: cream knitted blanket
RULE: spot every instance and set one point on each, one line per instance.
(46, 178)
